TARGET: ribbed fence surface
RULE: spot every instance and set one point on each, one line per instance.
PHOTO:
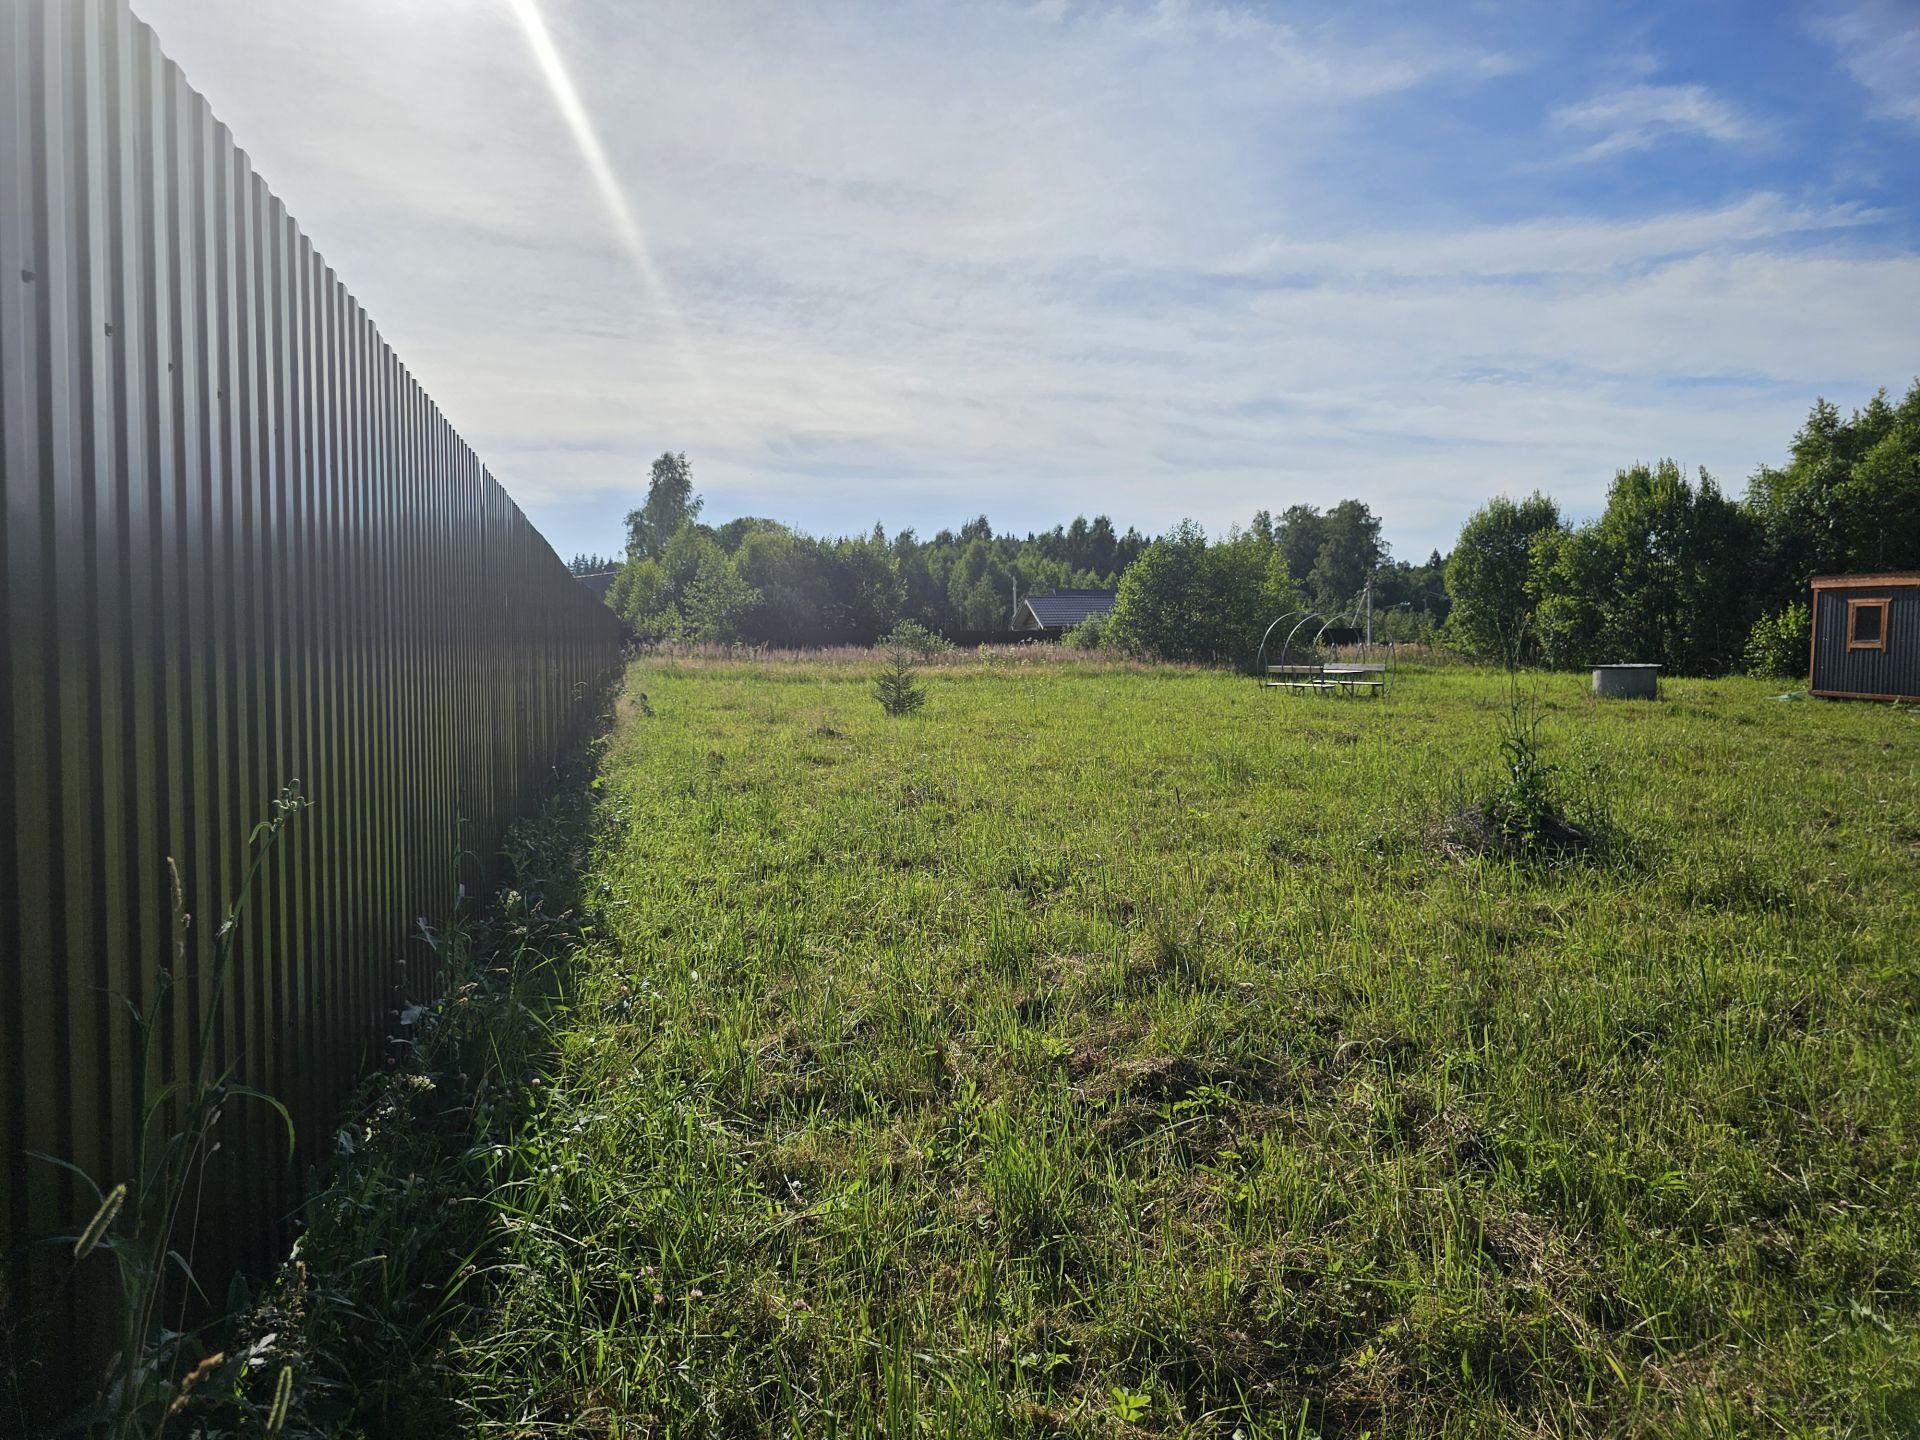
(242, 549)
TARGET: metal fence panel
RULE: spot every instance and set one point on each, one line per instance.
(242, 548)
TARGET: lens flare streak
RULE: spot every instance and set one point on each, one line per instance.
(633, 238)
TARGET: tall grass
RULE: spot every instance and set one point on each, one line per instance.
(1113, 1051)
(1116, 1050)
(397, 1240)
(146, 1223)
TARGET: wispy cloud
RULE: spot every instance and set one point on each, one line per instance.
(1562, 246)
(1641, 116)
(1879, 43)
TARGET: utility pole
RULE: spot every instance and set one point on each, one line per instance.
(1369, 595)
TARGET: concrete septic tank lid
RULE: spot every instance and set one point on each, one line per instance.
(1632, 680)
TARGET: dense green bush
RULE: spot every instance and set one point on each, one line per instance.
(1089, 634)
(1661, 576)
(912, 635)
(1676, 572)
(1846, 500)
(1779, 645)
(1186, 599)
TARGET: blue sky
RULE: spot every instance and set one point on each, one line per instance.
(908, 262)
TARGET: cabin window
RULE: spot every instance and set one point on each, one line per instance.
(1867, 624)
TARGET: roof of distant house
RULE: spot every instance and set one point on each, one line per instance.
(1066, 608)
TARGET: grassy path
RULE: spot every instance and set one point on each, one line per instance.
(1108, 1051)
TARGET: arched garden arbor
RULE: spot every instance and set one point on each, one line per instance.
(1304, 661)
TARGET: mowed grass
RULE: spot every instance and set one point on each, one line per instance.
(1109, 1050)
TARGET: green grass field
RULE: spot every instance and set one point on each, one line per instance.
(1111, 1050)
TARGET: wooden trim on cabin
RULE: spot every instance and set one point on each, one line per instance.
(1854, 607)
(1862, 695)
(1864, 582)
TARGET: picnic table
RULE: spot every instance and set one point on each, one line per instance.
(1339, 678)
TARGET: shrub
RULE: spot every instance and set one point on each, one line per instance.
(1778, 645)
(1089, 634)
(912, 635)
(1660, 576)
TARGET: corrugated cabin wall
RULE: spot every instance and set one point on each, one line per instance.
(242, 548)
(1889, 673)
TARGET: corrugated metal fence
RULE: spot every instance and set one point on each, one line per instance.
(242, 548)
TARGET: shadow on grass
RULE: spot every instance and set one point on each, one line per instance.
(397, 1237)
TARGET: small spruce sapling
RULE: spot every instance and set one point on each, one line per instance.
(895, 687)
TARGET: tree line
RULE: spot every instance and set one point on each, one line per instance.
(1191, 598)
(1673, 571)
(758, 581)
(1676, 572)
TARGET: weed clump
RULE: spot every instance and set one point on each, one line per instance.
(1523, 813)
(898, 692)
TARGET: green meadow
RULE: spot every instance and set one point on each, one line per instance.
(1115, 1050)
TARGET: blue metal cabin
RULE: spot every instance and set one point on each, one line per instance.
(1866, 637)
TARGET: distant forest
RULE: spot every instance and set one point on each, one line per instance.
(1673, 571)
(758, 581)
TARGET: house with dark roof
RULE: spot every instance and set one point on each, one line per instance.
(1060, 611)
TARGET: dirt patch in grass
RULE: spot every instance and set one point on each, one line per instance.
(1477, 830)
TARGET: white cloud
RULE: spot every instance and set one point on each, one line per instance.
(1640, 116)
(1879, 43)
(939, 258)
